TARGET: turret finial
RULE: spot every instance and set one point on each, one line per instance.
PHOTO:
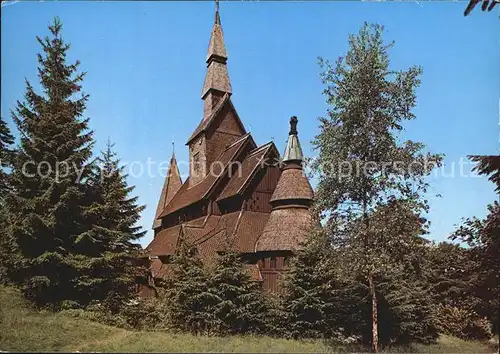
(293, 125)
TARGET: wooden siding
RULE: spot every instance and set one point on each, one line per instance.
(263, 191)
(192, 212)
(271, 266)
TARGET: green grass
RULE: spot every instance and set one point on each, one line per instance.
(24, 329)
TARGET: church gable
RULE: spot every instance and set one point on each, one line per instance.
(189, 194)
(224, 129)
(245, 173)
(226, 121)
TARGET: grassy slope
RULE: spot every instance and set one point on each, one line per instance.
(23, 329)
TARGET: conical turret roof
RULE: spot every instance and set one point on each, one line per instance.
(290, 220)
(293, 185)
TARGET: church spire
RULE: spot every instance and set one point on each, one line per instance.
(171, 186)
(217, 82)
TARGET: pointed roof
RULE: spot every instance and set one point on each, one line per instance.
(171, 186)
(188, 195)
(217, 77)
(290, 220)
(293, 184)
(293, 150)
(206, 122)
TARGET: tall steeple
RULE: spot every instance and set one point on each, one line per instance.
(217, 82)
(171, 186)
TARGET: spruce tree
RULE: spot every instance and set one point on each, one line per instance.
(49, 174)
(405, 310)
(187, 292)
(363, 162)
(451, 273)
(111, 270)
(6, 154)
(239, 305)
(312, 293)
(6, 140)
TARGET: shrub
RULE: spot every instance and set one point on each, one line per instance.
(462, 323)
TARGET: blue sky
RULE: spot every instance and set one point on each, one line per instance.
(146, 65)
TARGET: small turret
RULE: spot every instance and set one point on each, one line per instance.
(290, 220)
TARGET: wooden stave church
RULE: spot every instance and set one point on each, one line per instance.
(237, 194)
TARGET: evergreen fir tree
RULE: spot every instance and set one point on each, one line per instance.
(109, 244)
(188, 293)
(312, 293)
(240, 306)
(6, 154)
(49, 174)
(405, 309)
(451, 275)
(6, 140)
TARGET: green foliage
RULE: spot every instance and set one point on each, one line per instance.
(111, 268)
(6, 155)
(451, 275)
(24, 329)
(490, 166)
(405, 310)
(312, 299)
(482, 237)
(190, 300)
(462, 323)
(370, 184)
(239, 305)
(48, 176)
(72, 226)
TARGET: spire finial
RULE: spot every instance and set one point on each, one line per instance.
(293, 125)
(217, 17)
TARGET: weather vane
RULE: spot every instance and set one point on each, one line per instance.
(217, 5)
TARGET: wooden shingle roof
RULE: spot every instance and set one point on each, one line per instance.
(255, 160)
(165, 242)
(286, 229)
(171, 186)
(206, 123)
(188, 195)
(293, 185)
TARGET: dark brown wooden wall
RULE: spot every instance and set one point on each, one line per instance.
(271, 267)
(263, 191)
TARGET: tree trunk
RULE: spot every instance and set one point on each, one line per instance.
(374, 314)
